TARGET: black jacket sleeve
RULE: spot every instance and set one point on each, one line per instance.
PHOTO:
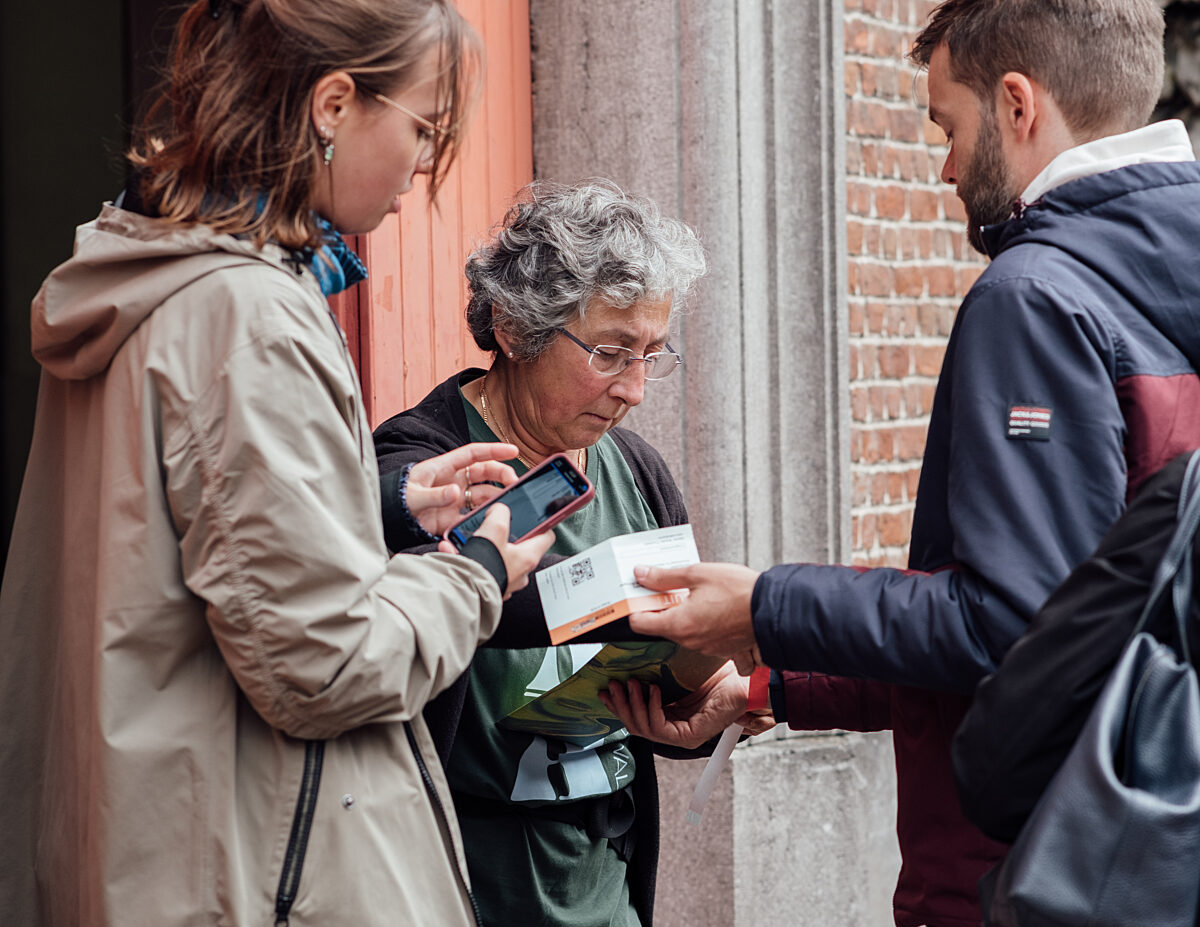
(1027, 715)
(435, 426)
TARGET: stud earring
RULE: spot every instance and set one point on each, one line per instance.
(327, 139)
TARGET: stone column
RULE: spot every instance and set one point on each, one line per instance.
(730, 113)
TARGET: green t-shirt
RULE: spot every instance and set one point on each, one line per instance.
(526, 869)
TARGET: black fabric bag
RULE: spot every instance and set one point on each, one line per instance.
(1115, 839)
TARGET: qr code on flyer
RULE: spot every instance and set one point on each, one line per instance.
(582, 571)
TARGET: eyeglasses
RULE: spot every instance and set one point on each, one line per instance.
(608, 360)
(429, 130)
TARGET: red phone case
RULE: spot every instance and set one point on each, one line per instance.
(574, 506)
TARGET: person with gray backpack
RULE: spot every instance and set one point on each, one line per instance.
(1083, 748)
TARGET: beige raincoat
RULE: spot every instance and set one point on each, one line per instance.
(212, 673)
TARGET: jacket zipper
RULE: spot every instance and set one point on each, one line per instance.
(306, 806)
(443, 819)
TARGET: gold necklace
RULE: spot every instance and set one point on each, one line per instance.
(580, 455)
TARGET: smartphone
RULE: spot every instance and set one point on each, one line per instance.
(538, 501)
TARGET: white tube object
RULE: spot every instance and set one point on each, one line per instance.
(712, 770)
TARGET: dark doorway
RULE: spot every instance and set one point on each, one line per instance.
(72, 73)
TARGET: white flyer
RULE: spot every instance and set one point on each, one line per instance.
(597, 586)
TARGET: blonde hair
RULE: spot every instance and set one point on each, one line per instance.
(229, 142)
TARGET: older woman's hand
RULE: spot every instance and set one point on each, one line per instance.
(440, 487)
(694, 719)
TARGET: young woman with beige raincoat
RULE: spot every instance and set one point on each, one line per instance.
(212, 671)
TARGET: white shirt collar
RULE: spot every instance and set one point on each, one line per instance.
(1162, 141)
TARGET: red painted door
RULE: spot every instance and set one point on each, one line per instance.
(406, 323)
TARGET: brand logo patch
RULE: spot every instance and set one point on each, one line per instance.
(1029, 423)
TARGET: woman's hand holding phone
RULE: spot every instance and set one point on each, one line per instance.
(520, 558)
(437, 487)
(539, 500)
(517, 523)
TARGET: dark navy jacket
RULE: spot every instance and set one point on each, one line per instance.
(1068, 379)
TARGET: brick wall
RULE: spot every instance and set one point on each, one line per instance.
(909, 266)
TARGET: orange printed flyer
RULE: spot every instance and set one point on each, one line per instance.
(597, 586)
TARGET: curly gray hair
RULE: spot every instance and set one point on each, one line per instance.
(562, 249)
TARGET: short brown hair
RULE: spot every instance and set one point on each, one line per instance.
(229, 142)
(1101, 60)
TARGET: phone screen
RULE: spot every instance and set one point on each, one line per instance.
(548, 489)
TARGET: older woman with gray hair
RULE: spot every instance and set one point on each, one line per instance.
(574, 296)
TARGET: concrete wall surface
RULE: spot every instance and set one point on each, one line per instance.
(801, 832)
(729, 115)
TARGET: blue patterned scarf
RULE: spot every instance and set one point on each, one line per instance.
(334, 265)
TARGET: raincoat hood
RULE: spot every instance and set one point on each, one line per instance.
(78, 326)
(123, 268)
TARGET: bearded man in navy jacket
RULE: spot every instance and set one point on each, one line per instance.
(1069, 378)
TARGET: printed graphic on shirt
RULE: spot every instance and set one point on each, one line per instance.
(1029, 423)
(550, 770)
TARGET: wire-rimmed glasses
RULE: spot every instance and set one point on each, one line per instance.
(608, 360)
(430, 130)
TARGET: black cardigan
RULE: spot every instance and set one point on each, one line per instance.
(439, 424)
